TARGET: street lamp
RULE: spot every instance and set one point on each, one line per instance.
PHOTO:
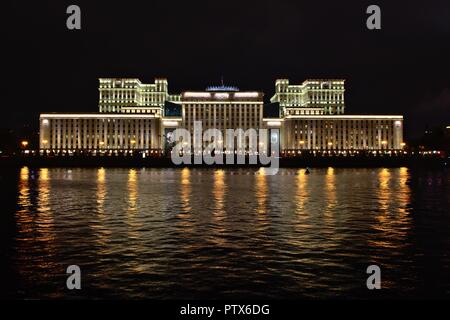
(24, 143)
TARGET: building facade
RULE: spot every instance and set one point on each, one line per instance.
(123, 95)
(312, 97)
(342, 132)
(222, 108)
(136, 117)
(100, 132)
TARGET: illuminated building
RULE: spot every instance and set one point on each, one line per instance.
(137, 117)
(222, 107)
(100, 132)
(342, 132)
(120, 95)
(312, 118)
(312, 97)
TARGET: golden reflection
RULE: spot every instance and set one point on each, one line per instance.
(35, 224)
(45, 219)
(330, 202)
(24, 172)
(393, 222)
(261, 194)
(403, 196)
(186, 190)
(219, 191)
(261, 191)
(134, 220)
(185, 221)
(24, 188)
(101, 190)
(101, 194)
(132, 191)
(302, 192)
(25, 221)
(44, 191)
(330, 189)
(383, 196)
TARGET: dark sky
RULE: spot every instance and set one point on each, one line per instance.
(402, 69)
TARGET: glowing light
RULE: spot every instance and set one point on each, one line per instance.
(384, 142)
(274, 123)
(345, 117)
(96, 116)
(170, 123)
(24, 143)
(221, 88)
(246, 94)
(197, 94)
(302, 142)
(221, 95)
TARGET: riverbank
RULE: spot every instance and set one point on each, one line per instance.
(163, 162)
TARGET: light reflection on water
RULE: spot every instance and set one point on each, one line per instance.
(185, 233)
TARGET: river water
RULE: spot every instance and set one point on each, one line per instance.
(232, 233)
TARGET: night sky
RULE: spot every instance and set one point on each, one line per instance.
(404, 68)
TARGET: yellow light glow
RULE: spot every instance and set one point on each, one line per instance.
(197, 94)
(302, 142)
(246, 94)
(170, 123)
(221, 95)
(24, 143)
(97, 116)
(345, 117)
(384, 142)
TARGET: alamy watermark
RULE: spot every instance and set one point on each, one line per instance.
(374, 280)
(73, 21)
(74, 280)
(210, 147)
(374, 20)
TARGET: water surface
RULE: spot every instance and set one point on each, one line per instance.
(207, 233)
